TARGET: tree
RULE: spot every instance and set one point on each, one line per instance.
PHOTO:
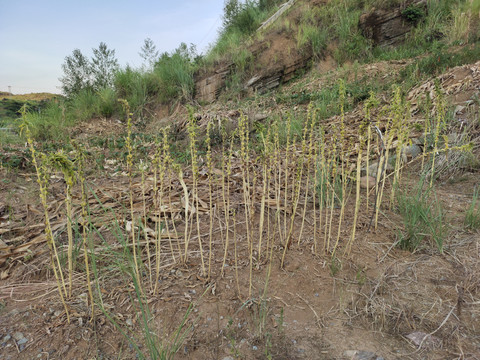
(231, 9)
(104, 65)
(149, 53)
(77, 73)
(81, 73)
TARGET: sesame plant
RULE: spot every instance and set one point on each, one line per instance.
(42, 173)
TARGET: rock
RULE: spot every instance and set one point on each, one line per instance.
(361, 355)
(5, 339)
(459, 109)
(293, 264)
(367, 182)
(412, 151)
(18, 335)
(129, 322)
(372, 169)
(228, 358)
(22, 341)
(209, 86)
(387, 27)
(58, 313)
(430, 341)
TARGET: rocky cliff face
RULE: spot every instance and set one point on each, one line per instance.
(276, 59)
(388, 27)
(208, 86)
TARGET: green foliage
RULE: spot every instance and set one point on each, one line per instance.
(314, 37)
(351, 44)
(103, 67)
(139, 88)
(84, 105)
(472, 216)
(243, 17)
(438, 61)
(175, 73)
(423, 217)
(76, 73)
(149, 53)
(413, 13)
(108, 102)
(48, 123)
(81, 73)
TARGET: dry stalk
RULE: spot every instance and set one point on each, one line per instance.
(42, 180)
(80, 161)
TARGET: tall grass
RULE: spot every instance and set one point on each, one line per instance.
(175, 74)
(141, 89)
(48, 123)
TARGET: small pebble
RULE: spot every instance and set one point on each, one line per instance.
(18, 335)
(22, 341)
(254, 348)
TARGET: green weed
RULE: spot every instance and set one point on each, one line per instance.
(423, 217)
(472, 216)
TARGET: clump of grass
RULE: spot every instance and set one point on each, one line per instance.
(48, 123)
(139, 88)
(472, 216)
(423, 217)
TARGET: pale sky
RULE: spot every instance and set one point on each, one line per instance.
(36, 36)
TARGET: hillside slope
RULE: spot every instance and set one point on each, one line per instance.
(335, 216)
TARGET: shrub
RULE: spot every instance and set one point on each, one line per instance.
(413, 13)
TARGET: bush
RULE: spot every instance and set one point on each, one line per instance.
(413, 13)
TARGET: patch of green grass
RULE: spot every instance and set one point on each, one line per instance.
(423, 217)
(472, 216)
